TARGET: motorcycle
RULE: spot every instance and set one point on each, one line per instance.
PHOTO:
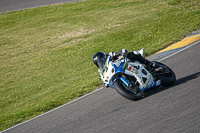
(131, 79)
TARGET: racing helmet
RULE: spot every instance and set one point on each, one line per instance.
(99, 59)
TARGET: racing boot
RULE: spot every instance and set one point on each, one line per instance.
(138, 57)
(149, 63)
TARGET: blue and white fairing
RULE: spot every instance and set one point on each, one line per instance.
(143, 77)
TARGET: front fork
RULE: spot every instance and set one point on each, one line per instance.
(126, 82)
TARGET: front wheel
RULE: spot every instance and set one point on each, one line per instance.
(168, 78)
(125, 92)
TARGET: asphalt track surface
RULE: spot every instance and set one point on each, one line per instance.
(13, 5)
(172, 109)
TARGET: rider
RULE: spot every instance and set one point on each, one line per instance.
(99, 58)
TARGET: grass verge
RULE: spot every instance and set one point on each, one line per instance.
(46, 52)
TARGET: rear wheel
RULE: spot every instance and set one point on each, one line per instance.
(167, 77)
(130, 93)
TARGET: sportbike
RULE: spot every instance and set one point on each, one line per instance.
(130, 79)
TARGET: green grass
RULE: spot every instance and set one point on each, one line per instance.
(46, 52)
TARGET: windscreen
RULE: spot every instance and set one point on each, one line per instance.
(101, 63)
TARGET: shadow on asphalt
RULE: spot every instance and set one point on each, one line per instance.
(178, 82)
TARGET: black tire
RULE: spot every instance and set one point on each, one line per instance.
(167, 79)
(125, 93)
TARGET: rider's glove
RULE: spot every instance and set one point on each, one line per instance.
(121, 53)
(124, 52)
